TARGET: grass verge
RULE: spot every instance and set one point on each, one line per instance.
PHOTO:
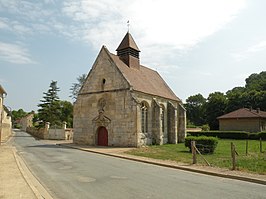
(254, 161)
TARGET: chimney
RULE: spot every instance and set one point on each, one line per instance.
(258, 110)
(128, 52)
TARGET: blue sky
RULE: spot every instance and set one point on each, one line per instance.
(197, 46)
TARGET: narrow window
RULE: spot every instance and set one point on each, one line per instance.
(144, 117)
(103, 83)
(162, 118)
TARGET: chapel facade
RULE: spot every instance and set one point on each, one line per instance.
(123, 103)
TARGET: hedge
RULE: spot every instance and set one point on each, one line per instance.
(238, 135)
(204, 144)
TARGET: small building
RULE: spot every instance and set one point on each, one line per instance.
(243, 119)
(123, 103)
(27, 121)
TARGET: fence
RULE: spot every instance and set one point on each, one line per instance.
(232, 155)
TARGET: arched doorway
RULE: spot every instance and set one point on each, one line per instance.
(102, 136)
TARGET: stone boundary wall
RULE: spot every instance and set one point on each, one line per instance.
(37, 132)
(48, 133)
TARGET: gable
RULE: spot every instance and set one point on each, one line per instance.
(104, 75)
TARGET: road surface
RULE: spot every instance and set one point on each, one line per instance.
(69, 173)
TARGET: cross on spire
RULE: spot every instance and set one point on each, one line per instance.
(128, 24)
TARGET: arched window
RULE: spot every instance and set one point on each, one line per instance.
(144, 117)
(162, 117)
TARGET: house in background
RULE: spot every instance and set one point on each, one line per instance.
(123, 103)
(243, 119)
(27, 121)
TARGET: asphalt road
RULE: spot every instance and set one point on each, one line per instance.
(69, 173)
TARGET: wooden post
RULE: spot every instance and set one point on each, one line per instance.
(233, 154)
(246, 147)
(193, 150)
(260, 145)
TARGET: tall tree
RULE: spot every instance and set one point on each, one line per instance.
(75, 88)
(256, 81)
(195, 106)
(215, 107)
(235, 99)
(49, 110)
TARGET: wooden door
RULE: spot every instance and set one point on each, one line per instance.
(102, 136)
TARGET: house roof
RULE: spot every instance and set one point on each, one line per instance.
(127, 42)
(144, 79)
(244, 113)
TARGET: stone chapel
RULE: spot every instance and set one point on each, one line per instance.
(123, 103)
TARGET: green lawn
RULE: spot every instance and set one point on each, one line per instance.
(254, 162)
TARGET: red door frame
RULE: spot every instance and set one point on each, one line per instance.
(102, 136)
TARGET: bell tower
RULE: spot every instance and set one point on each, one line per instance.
(128, 52)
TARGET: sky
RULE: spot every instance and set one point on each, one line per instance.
(196, 46)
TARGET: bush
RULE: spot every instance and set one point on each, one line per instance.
(205, 127)
(238, 135)
(204, 144)
(262, 135)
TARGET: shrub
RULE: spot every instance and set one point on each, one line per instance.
(239, 135)
(204, 144)
(262, 135)
(205, 127)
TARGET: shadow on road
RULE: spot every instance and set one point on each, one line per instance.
(46, 146)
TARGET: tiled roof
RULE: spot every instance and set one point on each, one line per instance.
(145, 80)
(127, 42)
(244, 113)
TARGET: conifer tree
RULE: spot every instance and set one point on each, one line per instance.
(49, 110)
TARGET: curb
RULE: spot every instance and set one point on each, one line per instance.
(39, 191)
(229, 176)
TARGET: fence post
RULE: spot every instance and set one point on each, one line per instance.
(246, 147)
(233, 154)
(193, 150)
(260, 145)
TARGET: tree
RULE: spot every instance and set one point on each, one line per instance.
(66, 109)
(256, 82)
(49, 108)
(17, 115)
(195, 106)
(74, 90)
(215, 107)
(235, 99)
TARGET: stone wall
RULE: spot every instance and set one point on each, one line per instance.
(6, 126)
(114, 110)
(105, 100)
(48, 133)
(40, 133)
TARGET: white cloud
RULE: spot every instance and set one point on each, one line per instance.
(250, 51)
(161, 27)
(14, 53)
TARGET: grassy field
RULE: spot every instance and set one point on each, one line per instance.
(253, 162)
